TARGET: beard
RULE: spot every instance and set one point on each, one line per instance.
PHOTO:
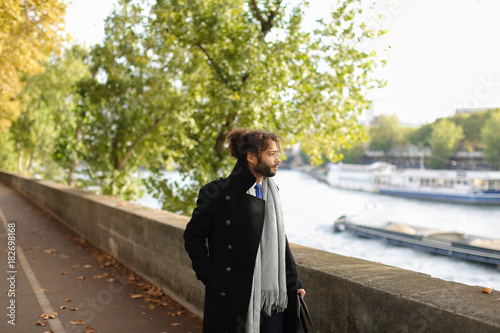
(264, 169)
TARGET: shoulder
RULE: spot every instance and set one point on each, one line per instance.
(213, 188)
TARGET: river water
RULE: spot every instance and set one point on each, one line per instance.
(310, 208)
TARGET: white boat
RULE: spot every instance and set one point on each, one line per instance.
(472, 187)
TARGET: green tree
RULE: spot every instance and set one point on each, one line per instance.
(354, 154)
(47, 99)
(7, 153)
(30, 31)
(250, 64)
(471, 125)
(490, 136)
(69, 112)
(131, 104)
(420, 137)
(385, 134)
(444, 140)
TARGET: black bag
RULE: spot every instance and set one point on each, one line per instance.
(304, 317)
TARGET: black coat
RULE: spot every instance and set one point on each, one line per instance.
(232, 221)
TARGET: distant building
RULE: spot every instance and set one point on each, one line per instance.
(413, 158)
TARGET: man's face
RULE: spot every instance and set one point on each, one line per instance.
(267, 164)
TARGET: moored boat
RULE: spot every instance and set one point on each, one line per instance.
(471, 187)
(448, 243)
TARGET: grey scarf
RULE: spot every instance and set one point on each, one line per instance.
(269, 278)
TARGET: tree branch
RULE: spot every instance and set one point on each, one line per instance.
(265, 24)
(216, 68)
(140, 139)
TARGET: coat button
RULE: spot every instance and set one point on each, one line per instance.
(228, 222)
(229, 247)
(222, 295)
(228, 270)
(227, 198)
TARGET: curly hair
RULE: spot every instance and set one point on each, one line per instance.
(243, 141)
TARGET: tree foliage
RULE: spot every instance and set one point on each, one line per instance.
(249, 64)
(385, 133)
(30, 31)
(443, 141)
(132, 104)
(47, 102)
(170, 81)
(490, 136)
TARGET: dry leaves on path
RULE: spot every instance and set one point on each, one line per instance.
(78, 322)
(45, 316)
(41, 323)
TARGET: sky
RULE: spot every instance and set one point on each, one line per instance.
(441, 55)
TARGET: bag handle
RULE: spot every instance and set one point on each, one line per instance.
(305, 311)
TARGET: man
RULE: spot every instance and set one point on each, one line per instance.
(248, 269)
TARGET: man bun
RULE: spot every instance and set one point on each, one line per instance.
(242, 141)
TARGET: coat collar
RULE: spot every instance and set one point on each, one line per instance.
(241, 177)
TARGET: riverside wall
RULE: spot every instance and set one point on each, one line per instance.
(344, 294)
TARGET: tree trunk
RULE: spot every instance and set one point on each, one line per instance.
(20, 162)
(74, 164)
(29, 168)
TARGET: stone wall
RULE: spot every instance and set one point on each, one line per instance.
(344, 294)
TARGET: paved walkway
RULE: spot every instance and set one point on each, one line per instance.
(56, 281)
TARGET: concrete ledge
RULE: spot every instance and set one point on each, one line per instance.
(344, 294)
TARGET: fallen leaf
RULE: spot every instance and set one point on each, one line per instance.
(176, 324)
(87, 266)
(110, 280)
(137, 296)
(488, 290)
(50, 251)
(40, 323)
(78, 322)
(48, 332)
(74, 309)
(80, 240)
(67, 300)
(45, 316)
(63, 256)
(32, 231)
(89, 329)
(42, 289)
(64, 273)
(62, 307)
(81, 278)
